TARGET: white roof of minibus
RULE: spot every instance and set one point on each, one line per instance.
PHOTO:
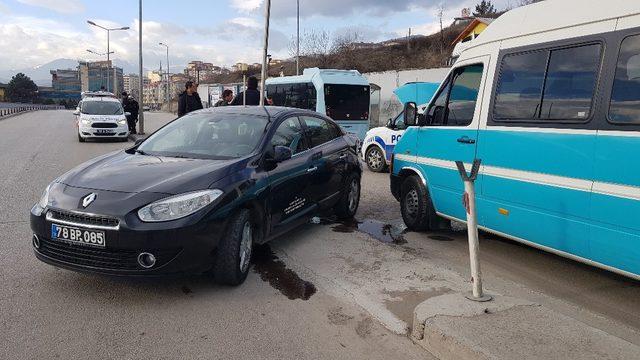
(552, 15)
(328, 76)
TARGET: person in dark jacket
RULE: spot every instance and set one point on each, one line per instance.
(131, 106)
(227, 98)
(252, 93)
(189, 100)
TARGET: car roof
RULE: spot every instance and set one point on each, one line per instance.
(101, 98)
(272, 112)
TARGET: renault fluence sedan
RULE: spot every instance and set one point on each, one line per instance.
(198, 194)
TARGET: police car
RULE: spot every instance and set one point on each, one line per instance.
(379, 142)
(101, 116)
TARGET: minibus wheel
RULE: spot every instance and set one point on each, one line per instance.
(416, 206)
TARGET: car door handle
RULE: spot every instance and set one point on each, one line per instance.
(312, 169)
(466, 140)
(343, 156)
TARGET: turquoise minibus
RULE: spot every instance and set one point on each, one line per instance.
(343, 95)
(548, 98)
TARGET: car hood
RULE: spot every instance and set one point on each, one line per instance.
(135, 173)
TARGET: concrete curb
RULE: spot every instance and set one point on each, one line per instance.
(452, 327)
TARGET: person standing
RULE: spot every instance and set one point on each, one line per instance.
(131, 106)
(227, 98)
(189, 100)
(252, 94)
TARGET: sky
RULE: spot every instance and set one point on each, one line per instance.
(34, 32)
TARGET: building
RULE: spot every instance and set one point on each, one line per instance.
(3, 90)
(472, 30)
(65, 80)
(93, 76)
(198, 70)
(131, 84)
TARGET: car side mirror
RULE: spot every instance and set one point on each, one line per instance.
(389, 123)
(138, 142)
(281, 153)
(410, 114)
(127, 113)
(76, 112)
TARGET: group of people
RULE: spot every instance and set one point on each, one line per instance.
(189, 101)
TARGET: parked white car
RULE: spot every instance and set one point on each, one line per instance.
(101, 117)
(379, 142)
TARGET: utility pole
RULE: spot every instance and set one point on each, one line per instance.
(298, 40)
(141, 100)
(267, 14)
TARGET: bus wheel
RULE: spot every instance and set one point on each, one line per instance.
(416, 206)
(375, 159)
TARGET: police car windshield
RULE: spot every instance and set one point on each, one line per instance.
(207, 136)
(97, 107)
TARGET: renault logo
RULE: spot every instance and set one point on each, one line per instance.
(88, 200)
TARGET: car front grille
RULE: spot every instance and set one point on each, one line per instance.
(82, 219)
(102, 258)
(104, 125)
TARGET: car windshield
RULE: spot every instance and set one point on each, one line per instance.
(97, 107)
(207, 136)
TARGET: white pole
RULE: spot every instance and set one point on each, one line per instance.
(469, 200)
(298, 40)
(244, 89)
(141, 102)
(267, 13)
(108, 60)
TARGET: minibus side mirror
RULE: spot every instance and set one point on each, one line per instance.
(410, 114)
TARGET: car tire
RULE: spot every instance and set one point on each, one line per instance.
(81, 139)
(349, 198)
(416, 205)
(233, 255)
(375, 159)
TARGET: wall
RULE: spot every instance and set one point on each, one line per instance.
(391, 80)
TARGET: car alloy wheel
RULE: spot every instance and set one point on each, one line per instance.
(354, 195)
(375, 160)
(245, 246)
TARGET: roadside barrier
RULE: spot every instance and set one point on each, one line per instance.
(13, 109)
(469, 201)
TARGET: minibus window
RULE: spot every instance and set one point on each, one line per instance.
(625, 97)
(464, 93)
(347, 102)
(296, 95)
(435, 115)
(570, 83)
(519, 89)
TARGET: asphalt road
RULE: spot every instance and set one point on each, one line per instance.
(51, 313)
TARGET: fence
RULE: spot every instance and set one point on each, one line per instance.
(9, 109)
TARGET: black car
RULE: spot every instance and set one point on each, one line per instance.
(198, 194)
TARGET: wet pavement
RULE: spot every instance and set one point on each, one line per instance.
(383, 232)
(272, 270)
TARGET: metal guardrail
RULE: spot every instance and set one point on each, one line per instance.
(9, 109)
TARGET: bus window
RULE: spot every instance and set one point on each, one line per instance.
(625, 98)
(520, 85)
(296, 95)
(347, 102)
(570, 82)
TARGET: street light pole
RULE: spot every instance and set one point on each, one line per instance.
(298, 40)
(263, 75)
(108, 30)
(141, 100)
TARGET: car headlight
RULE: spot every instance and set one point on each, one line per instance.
(122, 122)
(85, 122)
(44, 199)
(179, 206)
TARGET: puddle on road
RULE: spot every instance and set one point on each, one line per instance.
(275, 272)
(380, 231)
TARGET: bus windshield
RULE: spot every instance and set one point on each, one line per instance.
(347, 102)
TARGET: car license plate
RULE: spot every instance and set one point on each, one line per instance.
(77, 235)
(104, 132)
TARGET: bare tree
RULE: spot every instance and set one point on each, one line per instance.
(315, 45)
(440, 14)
